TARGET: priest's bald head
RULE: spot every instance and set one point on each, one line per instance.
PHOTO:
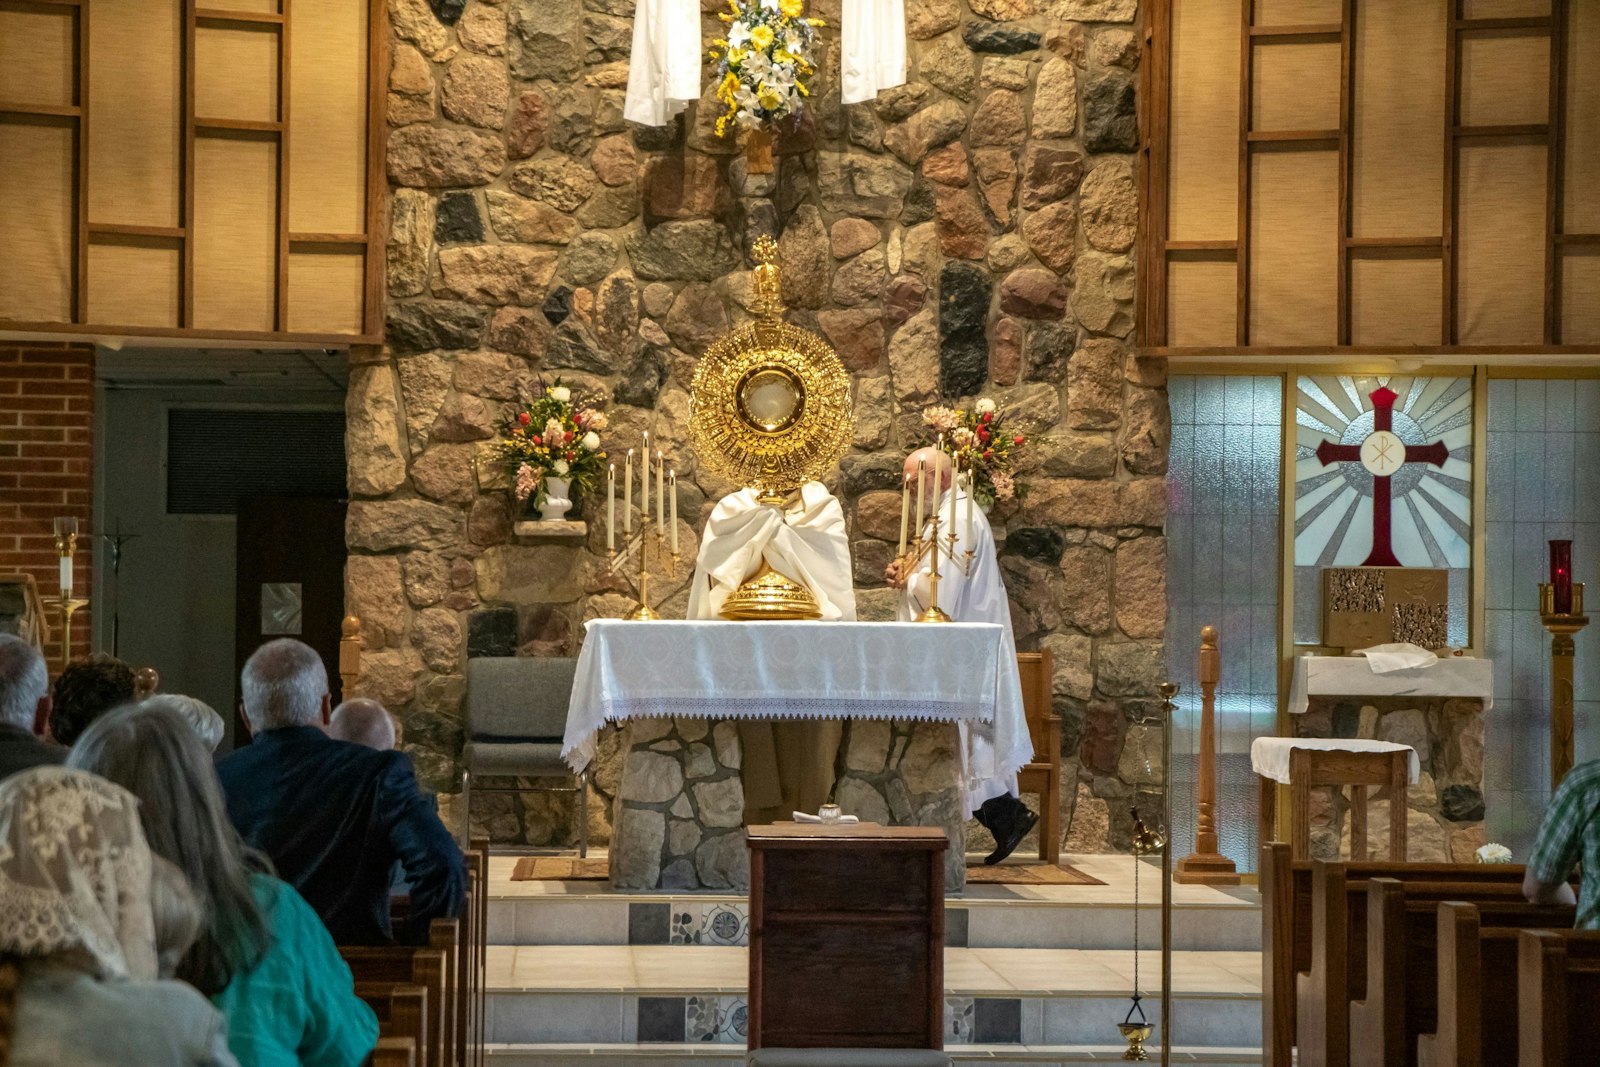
(935, 467)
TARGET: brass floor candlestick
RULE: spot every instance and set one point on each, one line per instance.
(1562, 627)
(665, 559)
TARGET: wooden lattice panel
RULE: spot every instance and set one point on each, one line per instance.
(1377, 175)
(183, 169)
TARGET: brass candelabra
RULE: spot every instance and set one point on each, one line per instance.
(66, 537)
(650, 533)
(1562, 626)
(933, 545)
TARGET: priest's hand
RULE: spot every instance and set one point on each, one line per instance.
(893, 574)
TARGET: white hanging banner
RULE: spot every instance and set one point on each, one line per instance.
(664, 67)
(872, 40)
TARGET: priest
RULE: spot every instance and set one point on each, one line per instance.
(970, 590)
(787, 766)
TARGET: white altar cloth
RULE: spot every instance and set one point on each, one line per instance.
(780, 670)
(1269, 756)
(1452, 676)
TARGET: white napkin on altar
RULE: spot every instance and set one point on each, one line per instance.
(800, 816)
(804, 541)
(1400, 656)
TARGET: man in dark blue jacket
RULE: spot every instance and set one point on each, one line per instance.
(335, 817)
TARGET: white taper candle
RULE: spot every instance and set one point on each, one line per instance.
(611, 508)
(627, 494)
(905, 512)
(920, 480)
(673, 479)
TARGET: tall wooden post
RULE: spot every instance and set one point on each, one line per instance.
(1563, 626)
(1205, 865)
(349, 656)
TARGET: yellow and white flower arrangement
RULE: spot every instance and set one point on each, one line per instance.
(764, 63)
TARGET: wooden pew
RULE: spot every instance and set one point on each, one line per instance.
(402, 1011)
(1407, 962)
(394, 1052)
(1558, 998)
(402, 965)
(477, 943)
(1286, 905)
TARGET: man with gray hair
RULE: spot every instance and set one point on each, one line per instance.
(24, 708)
(335, 818)
(363, 721)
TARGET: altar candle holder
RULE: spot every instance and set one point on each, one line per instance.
(66, 538)
(930, 544)
(1563, 625)
(653, 534)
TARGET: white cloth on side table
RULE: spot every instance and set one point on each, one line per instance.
(1400, 656)
(994, 751)
(1453, 676)
(664, 64)
(781, 670)
(1269, 756)
(872, 47)
(805, 541)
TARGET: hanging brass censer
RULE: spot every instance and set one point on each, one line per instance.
(1135, 1027)
(770, 409)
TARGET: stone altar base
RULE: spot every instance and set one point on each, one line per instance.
(1446, 807)
(678, 819)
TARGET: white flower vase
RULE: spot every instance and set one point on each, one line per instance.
(557, 499)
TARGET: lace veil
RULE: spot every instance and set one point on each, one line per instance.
(75, 872)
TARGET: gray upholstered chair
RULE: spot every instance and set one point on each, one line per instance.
(516, 716)
(847, 1057)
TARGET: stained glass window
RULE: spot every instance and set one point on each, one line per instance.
(1383, 476)
(1223, 527)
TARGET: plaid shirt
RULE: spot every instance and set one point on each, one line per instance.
(1570, 834)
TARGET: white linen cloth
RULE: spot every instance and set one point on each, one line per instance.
(664, 65)
(781, 670)
(1269, 756)
(872, 45)
(1400, 656)
(1453, 676)
(997, 750)
(804, 541)
(803, 816)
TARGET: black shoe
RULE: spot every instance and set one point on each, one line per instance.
(1009, 828)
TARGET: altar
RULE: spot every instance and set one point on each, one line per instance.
(679, 688)
(1438, 710)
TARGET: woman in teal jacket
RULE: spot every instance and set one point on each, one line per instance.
(263, 956)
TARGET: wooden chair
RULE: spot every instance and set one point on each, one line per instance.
(1043, 775)
(394, 1052)
(1286, 927)
(478, 942)
(1310, 767)
(1558, 990)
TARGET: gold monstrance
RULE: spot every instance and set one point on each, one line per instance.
(770, 409)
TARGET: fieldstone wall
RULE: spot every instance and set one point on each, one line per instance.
(969, 232)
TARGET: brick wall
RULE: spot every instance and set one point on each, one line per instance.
(46, 423)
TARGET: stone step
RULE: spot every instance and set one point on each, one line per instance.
(589, 994)
(985, 916)
(654, 1055)
(723, 920)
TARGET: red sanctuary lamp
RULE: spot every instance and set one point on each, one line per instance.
(1561, 577)
(1561, 612)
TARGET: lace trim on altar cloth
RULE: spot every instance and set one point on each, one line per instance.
(698, 707)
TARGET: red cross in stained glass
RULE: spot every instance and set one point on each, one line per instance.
(1382, 454)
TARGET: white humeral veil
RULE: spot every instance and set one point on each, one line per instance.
(787, 766)
(664, 65)
(994, 752)
(872, 44)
